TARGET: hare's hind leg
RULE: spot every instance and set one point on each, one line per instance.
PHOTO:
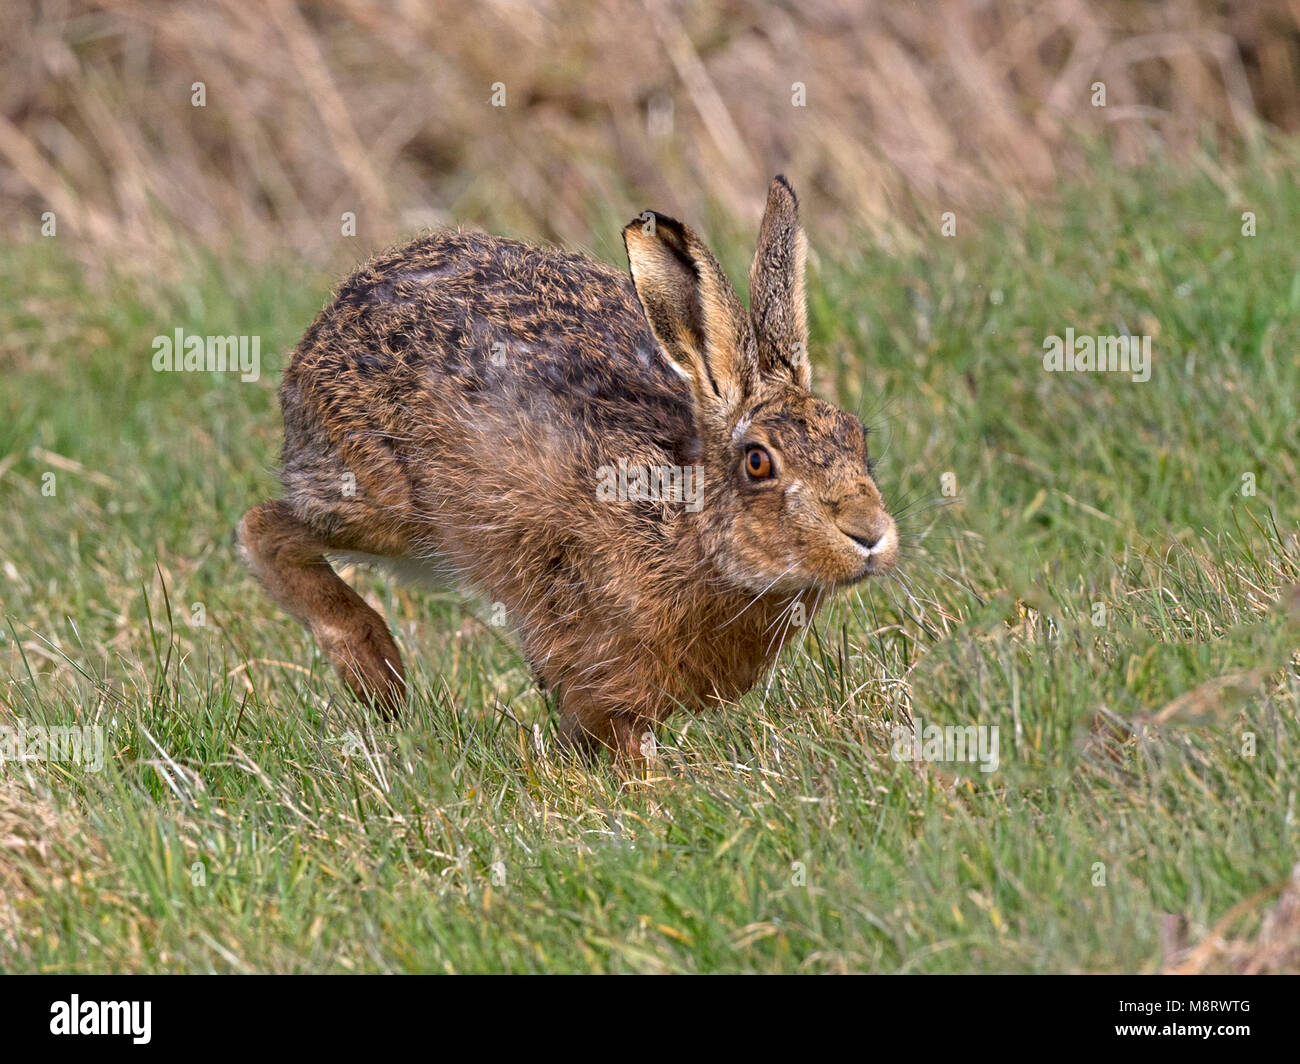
(289, 561)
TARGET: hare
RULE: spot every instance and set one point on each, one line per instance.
(633, 469)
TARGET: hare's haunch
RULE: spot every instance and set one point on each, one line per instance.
(633, 470)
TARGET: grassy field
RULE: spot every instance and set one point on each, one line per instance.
(1104, 570)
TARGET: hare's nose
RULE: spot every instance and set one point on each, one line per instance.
(873, 533)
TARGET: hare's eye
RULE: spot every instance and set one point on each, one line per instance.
(758, 463)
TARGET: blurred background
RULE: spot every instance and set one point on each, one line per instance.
(559, 118)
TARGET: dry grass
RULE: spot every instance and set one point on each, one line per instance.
(1274, 949)
(383, 109)
(42, 848)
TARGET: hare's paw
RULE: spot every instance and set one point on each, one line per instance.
(364, 655)
(629, 739)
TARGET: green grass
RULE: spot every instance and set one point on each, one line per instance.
(249, 818)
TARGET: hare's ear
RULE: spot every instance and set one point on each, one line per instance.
(778, 300)
(693, 312)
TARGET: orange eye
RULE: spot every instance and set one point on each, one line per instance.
(758, 463)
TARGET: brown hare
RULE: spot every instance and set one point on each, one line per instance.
(634, 471)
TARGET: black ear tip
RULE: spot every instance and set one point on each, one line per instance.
(653, 222)
(784, 182)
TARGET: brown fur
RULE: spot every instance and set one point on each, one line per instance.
(474, 386)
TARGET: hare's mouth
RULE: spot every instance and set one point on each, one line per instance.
(878, 553)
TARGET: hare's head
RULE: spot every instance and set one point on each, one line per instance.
(789, 498)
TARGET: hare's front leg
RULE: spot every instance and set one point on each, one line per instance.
(289, 561)
(585, 729)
